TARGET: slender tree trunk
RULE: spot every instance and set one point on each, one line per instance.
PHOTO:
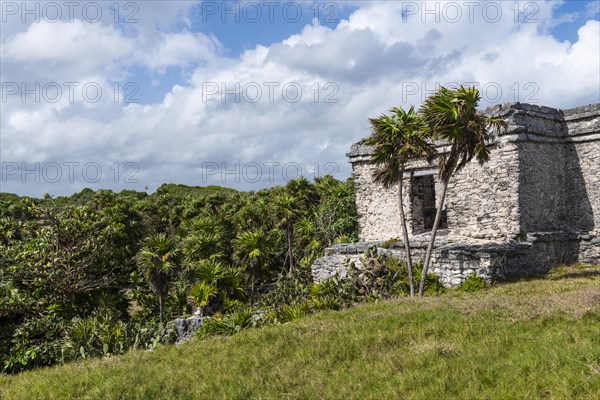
(284, 263)
(411, 280)
(160, 307)
(253, 278)
(436, 224)
(290, 252)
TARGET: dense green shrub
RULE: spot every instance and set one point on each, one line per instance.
(472, 283)
(376, 277)
(201, 293)
(289, 290)
(290, 312)
(227, 324)
(388, 244)
(327, 302)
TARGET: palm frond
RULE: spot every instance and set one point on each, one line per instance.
(395, 138)
(452, 116)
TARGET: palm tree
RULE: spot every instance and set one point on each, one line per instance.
(254, 248)
(216, 282)
(396, 138)
(205, 239)
(287, 210)
(157, 259)
(9, 230)
(451, 116)
(308, 237)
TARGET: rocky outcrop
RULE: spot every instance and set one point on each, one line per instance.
(185, 328)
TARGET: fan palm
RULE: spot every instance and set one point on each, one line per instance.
(157, 259)
(253, 247)
(205, 239)
(201, 293)
(8, 229)
(287, 211)
(451, 116)
(396, 138)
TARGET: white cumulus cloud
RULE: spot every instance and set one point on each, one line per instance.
(378, 58)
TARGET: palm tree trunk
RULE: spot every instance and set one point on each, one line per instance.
(411, 280)
(160, 307)
(436, 224)
(253, 279)
(289, 243)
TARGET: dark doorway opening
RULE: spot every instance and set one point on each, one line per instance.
(423, 204)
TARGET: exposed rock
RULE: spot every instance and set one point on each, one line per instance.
(185, 328)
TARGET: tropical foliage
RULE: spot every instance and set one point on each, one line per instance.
(94, 274)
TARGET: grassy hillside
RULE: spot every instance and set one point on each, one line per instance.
(526, 340)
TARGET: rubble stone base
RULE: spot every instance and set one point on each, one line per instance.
(455, 259)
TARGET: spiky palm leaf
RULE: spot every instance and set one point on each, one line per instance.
(209, 271)
(157, 259)
(201, 293)
(232, 283)
(253, 248)
(451, 116)
(395, 138)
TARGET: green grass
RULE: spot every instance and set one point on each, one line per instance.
(534, 339)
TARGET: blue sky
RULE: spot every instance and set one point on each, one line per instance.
(238, 27)
(577, 12)
(215, 89)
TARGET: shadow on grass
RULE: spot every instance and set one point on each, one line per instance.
(590, 273)
(559, 273)
(525, 278)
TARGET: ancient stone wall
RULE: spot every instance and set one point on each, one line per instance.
(542, 186)
(482, 200)
(543, 176)
(535, 204)
(451, 262)
(377, 208)
(583, 171)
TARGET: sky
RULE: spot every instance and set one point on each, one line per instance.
(133, 94)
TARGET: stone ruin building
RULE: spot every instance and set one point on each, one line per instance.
(534, 205)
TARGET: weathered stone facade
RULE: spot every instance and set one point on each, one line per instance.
(534, 204)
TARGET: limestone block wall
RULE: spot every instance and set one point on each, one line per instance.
(559, 155)
(543, 176)
(535, 204)
(377, 208)
(454, 262)
(482, 200)
(583, 128)
(542, 186)
(451, 262)
(588, 248)
(529, 155)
